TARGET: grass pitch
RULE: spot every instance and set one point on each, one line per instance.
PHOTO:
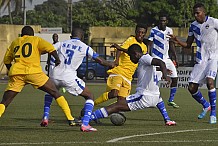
(20, 123)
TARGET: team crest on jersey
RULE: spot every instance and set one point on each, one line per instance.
(207, 26)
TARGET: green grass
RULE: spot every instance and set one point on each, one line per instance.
(20, 123)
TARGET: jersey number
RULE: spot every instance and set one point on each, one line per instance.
(26, 50)
(69, 57)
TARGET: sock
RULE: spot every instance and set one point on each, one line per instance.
(88, 107)
(65, 107)
(200, 99)
(172, 93)
(163, 111)
(99, 113)
(47, 103)
(102, 98)
(2, 109)
(212, 98)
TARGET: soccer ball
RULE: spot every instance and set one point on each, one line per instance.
(118, 119)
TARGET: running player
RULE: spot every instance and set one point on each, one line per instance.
(160, 44)
(25, 51)
(204, 31)
(71, 53)
(147, 90)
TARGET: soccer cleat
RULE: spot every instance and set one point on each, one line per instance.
(204, 112)
(173, 104)
(87, 128)
(212, 120)
(44, 122)
(75, 122)
(170, 123)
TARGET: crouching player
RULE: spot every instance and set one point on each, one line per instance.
(147, 91)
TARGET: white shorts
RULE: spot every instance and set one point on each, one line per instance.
(203, 70)
(74, 85)
(171, 66)
(139, 101)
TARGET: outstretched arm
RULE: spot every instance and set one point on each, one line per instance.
(55, 55)
(119, 48)
(186, 44)
(103, 62)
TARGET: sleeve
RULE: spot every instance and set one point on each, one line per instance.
(190, 31)
(151, 36)
(43, 46)
(91, 53)
(146, 59)
(8, 58)
(216, 24)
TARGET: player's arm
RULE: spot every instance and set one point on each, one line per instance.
(55, 55)
(173, 51)
(119, 48)
(163, 68)
(8, 58)
(103, 62)
(186, 44)
(149, 46)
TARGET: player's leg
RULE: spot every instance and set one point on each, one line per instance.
(211, 74)
(15, 85)
(120, 105)
(42, 82)
(113, 86)
(164, 113)
(173, 86)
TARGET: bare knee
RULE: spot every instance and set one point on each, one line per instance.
(210, 83)
(174, 82)
(113, 94)
(193, 88)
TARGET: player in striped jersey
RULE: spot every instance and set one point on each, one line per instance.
(147, 90)
(160, 45)
(204, 31)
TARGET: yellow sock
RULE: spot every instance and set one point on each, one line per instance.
(102, 98)
(2, 109)
(65, 107)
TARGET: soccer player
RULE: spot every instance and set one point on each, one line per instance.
(160, 45)
(71, 53)
(120, 77)
(147, 90)
(204, 31)
(25, 51)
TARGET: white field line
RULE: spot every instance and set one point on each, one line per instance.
(160, 133)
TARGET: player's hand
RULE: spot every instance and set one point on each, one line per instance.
(46, 67)
(168, 79)
(116, 62)
(169, 72)
(112, 64)
(57, 62)
(114, 45)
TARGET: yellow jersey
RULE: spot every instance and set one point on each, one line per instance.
(25, 52)
(126, 68)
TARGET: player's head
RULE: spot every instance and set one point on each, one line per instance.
(77, 33)
(135, 53)
(163, 22)
(27, 30)
(55, 38)
(140, 31)
(199, 12)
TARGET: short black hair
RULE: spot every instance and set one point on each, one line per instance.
(141, 25)
(199, 5)
(77, 32)
(163, 15)
(27, 30)
(134, 48)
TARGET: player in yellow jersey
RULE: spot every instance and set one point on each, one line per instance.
(25, 51)
(120, 77)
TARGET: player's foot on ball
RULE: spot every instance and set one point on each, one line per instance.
(44, 122)
(75, 122)
(204, 112)
(173, 104)
(87, 128)
(170, 123)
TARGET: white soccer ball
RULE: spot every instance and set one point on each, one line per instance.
(118, 119)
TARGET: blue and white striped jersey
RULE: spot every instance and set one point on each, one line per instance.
(206, 38)
(71, 53)
(160, 42)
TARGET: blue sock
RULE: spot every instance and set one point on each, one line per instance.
(47, 103)
(88, 107)
(172, 93)
(99, 113)
(200, 99)
(212, 98)
(163, 111)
